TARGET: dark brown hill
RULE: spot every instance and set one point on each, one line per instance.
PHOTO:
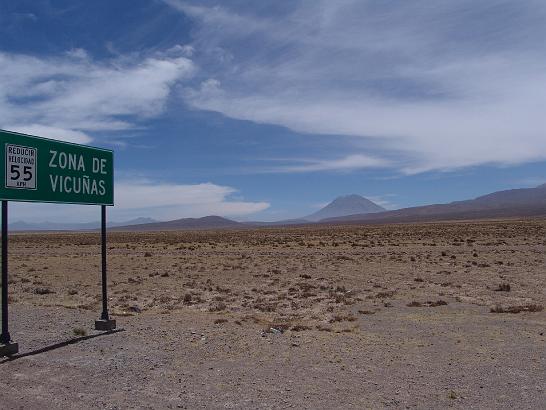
(207, 222)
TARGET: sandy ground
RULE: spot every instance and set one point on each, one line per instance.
(400, 316)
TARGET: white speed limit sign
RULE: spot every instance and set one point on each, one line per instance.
(20, 167)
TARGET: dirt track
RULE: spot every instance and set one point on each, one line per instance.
(383, 316)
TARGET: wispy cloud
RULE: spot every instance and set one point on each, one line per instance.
(383, 200)
(347, 163)
(445, 85)
(71, 96)
(530, 182)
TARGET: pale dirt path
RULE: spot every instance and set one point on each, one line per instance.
(456, 356)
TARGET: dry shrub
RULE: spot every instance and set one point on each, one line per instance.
(436, 303)
(217, 307)
(428, 303)
(187, 298)
(163, 299)
(385, 294)
(347, 330)
(517, 309)
(503, 287)
(342, 318)
(264, 306)
(276, 328)
(43, 291)
(220, 321)
(299, 328)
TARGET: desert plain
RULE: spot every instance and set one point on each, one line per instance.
(437, 315)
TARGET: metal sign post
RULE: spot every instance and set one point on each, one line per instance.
(44, 170)
(104, 323)
(7, 347)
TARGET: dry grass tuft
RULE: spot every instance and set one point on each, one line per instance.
(342, 318)
(436, 303)
(43, 291)
(78, 331)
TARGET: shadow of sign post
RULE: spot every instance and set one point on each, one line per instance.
(43, 170)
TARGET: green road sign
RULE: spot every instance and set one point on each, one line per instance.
(43, 170)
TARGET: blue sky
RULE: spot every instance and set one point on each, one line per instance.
(268, 110)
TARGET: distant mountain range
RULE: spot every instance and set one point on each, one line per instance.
(525, 202)
(350, 209)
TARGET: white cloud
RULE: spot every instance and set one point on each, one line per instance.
(51, 132)
(163, 201)
(147, 194)
(74, 96)
(320, 205)
(198, 199)
(443, 85)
